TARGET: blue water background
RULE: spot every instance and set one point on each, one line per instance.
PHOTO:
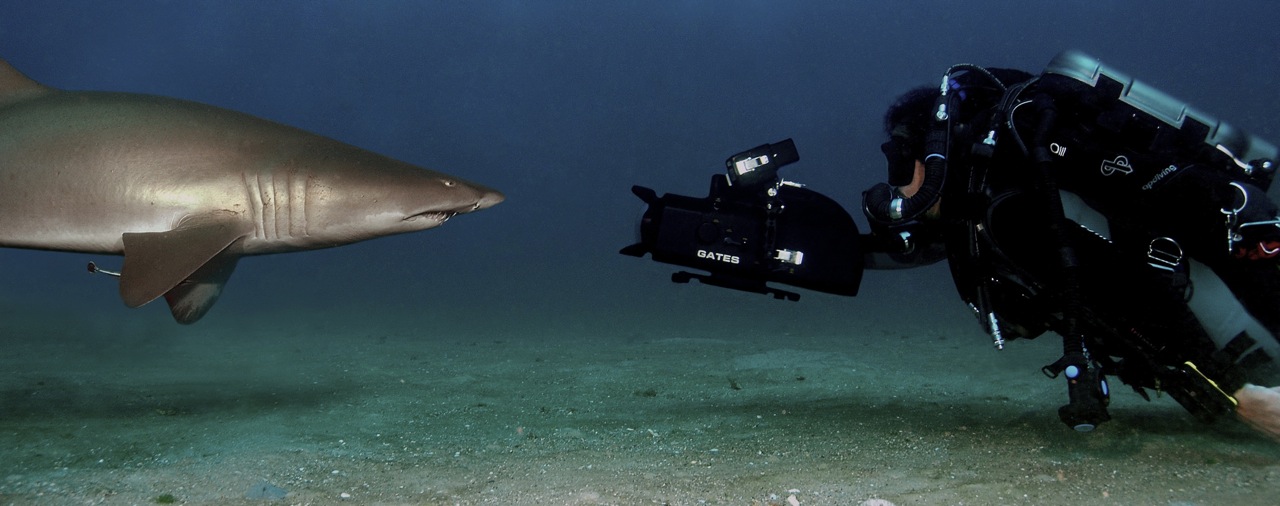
(563, 105)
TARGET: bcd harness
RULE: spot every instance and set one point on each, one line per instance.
(1055, 121)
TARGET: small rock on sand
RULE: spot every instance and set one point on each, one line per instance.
(265, 491)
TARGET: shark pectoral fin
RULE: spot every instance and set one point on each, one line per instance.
(193, 297)
(157, 262)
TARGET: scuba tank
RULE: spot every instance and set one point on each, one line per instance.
(1141, 119)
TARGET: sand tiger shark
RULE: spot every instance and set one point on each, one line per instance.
(184, 189)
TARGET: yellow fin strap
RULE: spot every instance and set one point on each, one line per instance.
(1193, 367)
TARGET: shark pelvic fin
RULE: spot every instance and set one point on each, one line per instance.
(188, 265)
(193, 297)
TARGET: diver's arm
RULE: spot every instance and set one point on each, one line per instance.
(1260, 408)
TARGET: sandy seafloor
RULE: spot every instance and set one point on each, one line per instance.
(513, 357)
(619, 403)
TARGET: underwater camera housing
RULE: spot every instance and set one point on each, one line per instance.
(754, 228)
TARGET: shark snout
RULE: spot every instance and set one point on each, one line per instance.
(488, 198)
(480, 197)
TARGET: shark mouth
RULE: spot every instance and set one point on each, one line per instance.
(436, 216)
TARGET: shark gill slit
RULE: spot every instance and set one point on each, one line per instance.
(287, 205)
(269, 209)
(297, 205)
(280, 191)
(254, 193)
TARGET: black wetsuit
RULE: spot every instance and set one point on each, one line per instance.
(1011, 144)
(996, 227)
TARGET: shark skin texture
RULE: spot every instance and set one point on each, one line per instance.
(183, 190)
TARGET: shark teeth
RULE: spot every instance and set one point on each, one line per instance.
(440, 216)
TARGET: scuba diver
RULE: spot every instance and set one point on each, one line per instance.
(1079, 201)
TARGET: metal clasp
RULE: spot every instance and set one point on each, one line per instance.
(1164, 253)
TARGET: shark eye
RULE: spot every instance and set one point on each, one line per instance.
(449, 182)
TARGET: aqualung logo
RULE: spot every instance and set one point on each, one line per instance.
(719, 257)
(1163, 174)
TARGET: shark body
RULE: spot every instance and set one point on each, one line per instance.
(184, 189)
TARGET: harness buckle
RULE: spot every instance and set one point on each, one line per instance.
(1164, 253)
